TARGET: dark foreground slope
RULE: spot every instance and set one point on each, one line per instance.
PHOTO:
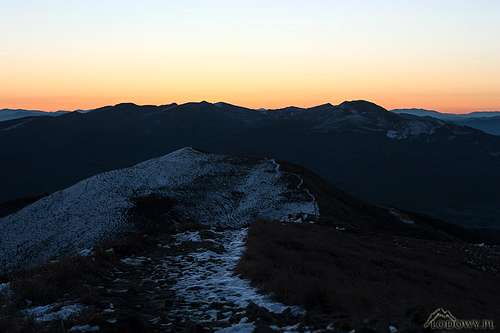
(371, 280)
(171, 258)
(368, 268)
(414, 163)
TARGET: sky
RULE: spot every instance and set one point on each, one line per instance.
(66, 54)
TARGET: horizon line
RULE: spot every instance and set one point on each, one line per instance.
(250, 108)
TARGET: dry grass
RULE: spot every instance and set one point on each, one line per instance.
(50, 282)
(367, 277)
(17, 324)
(75, 277)
(152, 214)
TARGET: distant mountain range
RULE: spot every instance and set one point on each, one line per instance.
(10, 114)
(415, 163)
(488, 122)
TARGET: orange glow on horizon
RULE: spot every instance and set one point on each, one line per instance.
(259, 54)
(79, 103)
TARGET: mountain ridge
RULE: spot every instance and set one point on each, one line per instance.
(488, 122)
(12, 114)
(423, 112)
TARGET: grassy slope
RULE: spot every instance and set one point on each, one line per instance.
(364, 277)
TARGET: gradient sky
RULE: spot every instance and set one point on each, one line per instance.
(66, 54)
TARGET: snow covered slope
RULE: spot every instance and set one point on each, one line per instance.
(212, 189)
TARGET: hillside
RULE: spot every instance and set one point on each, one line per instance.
(210, 189)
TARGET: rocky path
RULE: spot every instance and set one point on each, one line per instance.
(187, 282)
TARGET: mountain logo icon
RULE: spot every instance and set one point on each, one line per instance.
(442, 319)
(438, 318)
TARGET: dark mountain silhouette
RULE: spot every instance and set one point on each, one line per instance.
(10, 114)
(488, 122)
(489, 125)
(420, 164)
(447, 116)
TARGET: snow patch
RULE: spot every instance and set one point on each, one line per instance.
(135, 261)
(402, 217)
(188, 236)
(207, 277)
(413, 128)
(47, 313)
(84, 328)
(85, 253)
(391, 134)
(238, 328)
(4, 288)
